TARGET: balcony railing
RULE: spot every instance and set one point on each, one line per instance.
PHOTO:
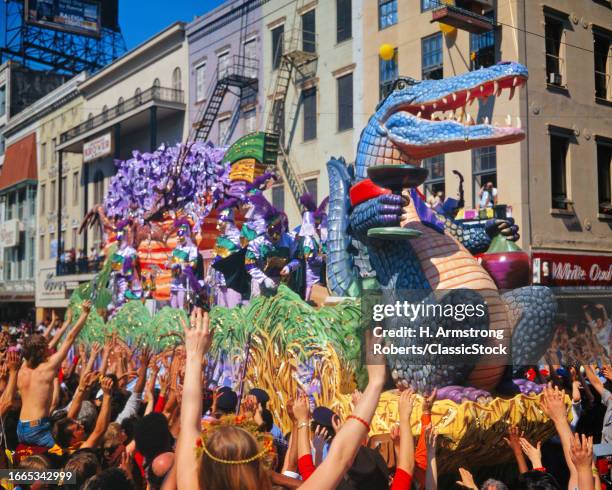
(238, 67)
(157, 94)
(78, 266)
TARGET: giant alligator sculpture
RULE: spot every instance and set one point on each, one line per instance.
(407, 128)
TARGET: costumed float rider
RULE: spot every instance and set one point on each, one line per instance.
(254, 215)
(183, 263)
(268, 255)
(125, 283)
(227, 244)
(309, 247)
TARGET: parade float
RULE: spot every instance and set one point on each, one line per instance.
(190, 226)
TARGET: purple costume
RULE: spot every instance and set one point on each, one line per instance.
(183, 263)
(227, 243)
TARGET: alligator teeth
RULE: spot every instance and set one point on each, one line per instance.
(496, 88)
(512, 90)
(454, 97)
(468, 119)
(423, 107)
(508, 120)
(435, 106)
(519, 123)
(445, 100)
(482, 88)
(486, 120)
(515, 81)
(419, 114)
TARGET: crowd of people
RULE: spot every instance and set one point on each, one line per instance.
(123, 417)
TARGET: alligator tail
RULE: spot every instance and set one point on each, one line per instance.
(341, 276)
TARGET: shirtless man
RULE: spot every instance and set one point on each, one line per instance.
(35, 383)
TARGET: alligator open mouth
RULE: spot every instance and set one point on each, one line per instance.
(444, 124)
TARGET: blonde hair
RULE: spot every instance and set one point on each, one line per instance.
(232, 443)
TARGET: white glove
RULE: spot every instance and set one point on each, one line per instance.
(269, 283)
(285, 271)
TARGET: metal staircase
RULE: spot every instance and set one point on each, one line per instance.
(297, 52)
(240, 73)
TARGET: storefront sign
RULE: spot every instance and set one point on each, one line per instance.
(97, 148)
(558, 269)
(48, 285)
(9, 233)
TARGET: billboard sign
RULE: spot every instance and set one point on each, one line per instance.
(97, 148)
(72, 16)
(562, 269)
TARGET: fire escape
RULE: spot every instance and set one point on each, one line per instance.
(295, 57)
(240, 73)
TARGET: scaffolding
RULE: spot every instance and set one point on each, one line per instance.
(60, 52)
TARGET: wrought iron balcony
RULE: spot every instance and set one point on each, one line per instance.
(155, 94)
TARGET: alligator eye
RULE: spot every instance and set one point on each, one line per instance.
(400, 85)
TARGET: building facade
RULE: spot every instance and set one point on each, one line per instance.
(134, 104)
(557, 181)
(225, 41)
(22, 101)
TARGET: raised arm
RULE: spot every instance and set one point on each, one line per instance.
(431, 474)
(553, 405)
(514, 441)
(582, 458)
(198, 339)
(57, 358)
(405, 461)
(13, 361)
(345, 445)
(62, 330)
(594, 379)
(103, 417)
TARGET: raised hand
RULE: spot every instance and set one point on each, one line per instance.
(467, 480)
(394, 433)
(86, 307)
(13, 361)
(107, 386)
(198, 338)
(406, 404)
(301, 408)
(319, 439)
(582, 451)
(356, 396)
(514, 439)
(533, 453)
(553, 404)
(429, 400)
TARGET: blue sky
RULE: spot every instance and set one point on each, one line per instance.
(141, 20)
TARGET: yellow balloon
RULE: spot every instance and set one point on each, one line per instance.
(446, 29)
(386, 52)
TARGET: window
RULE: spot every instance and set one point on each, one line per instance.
(200, 82)
(21, 201)
(2, 100)
(553, 32)
(601, 51)
(435, 179)
(52, 197)
(484, 169)
(604, 177)
(64, 189)
(277, 45)
(559, 146)
(311, 188)
(278, 197)
(98, 182)
(387, 13)
(31, 251)
(53, 151)
(429, 5)
(43, 198)
(250, 121)
(344, 21)
(388, 74)
(345, 102)
(431, 57)
(309, 101)
(75, 188)
(482, 47)
(250, 54)
(223, 65)
(43, 155)
(309, 32)
(224, 125)
(176, 79)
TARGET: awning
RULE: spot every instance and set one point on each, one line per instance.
(19, 162)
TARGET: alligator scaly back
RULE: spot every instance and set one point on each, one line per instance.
(341, 273)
